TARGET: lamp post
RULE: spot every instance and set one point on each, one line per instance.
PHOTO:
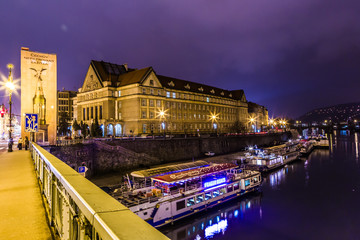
(252, 120)
(214, 122)
(214, 118)
(10, 88)
(161, 115)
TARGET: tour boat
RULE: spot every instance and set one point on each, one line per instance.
(270, 158)
(307, 147)
(180, 193)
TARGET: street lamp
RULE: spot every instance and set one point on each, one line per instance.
(10, 86)
(252, 120)
(271, 122)
(162, 117)
(213, 117)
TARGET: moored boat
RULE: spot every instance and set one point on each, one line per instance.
(270, 158)
(307, 147)
(177, 194)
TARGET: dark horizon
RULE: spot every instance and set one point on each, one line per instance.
(290, 57)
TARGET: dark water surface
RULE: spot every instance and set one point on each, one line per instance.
(313, 198)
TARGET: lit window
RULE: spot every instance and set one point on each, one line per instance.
(144, 128)
(207, 99)
(119, 93)
(168, 94)
(174, 95)
(199, 198)
(207, 196)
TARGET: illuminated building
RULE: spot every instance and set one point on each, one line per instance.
(129, 101)
(258, 117)
(67, 103)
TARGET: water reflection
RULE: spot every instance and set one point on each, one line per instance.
(278, 177)
(215, 222)
(357, 147)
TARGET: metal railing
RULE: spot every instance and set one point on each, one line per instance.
(77, 209)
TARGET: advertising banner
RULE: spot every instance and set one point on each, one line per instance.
(39, 93)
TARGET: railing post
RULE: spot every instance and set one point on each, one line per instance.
(65, 220)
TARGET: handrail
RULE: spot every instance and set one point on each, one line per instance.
(78, 209)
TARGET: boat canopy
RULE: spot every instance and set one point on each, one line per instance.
(171, 168)
(276, 147)
(181, 176)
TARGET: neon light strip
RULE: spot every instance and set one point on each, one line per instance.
(222, 185)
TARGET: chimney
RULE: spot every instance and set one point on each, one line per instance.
(125, 66)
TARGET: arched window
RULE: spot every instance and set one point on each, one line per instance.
(102, 129)
(110, 130)
(118, 130)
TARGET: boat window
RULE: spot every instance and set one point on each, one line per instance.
(199, 198)
(190, 202)
(229, 188)
(255, 179)
(180, 205)
(216, 193)
(145, 213)
(236, 186)
(222, 191)
(247, 182)
(207, 196)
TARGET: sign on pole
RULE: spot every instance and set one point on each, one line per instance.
(82, 170)
(31, 122)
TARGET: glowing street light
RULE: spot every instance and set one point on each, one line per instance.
(10, 86)
(213, 117)
(161, 114)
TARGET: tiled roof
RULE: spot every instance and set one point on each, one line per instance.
(133, 77)
(119, 75)
(182, 85)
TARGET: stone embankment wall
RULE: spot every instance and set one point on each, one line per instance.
(121, 155)
(170, 150)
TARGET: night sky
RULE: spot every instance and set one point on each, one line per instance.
(291, 56)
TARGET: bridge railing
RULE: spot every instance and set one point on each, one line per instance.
(78, 209)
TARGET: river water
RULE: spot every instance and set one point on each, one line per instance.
(317, 197)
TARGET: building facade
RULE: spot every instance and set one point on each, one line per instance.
(258, 117)
(67, 103)
(139, 102)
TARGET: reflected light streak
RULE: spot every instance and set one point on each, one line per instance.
(356, 147)
(219, 227)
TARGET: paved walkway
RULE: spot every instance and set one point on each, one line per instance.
(22, 215)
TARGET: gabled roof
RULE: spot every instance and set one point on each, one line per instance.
(136, 76)
(182, 85)
(118, 75)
